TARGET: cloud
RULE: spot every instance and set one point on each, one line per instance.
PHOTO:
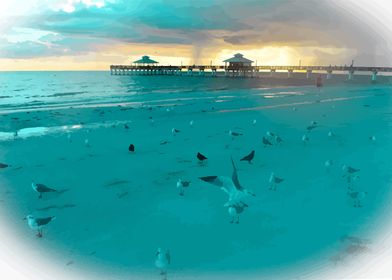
(86, 26)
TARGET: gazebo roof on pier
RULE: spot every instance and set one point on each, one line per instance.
(145, 60)
(238, 58)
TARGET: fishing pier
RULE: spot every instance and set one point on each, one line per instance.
(240, 67)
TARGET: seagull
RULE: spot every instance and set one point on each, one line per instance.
(41, 188)
(162, 260)
(270, 134)
(372, 139)
(181, 185)
(86, 143)
(201, 157)
(152, 122)
(249, 157)
(69, 137)
(305, 139)
(191, 123)
(3, 165)
(126, 126)
(349, 169)
(175, 131)
(235, 210)
(294, 109)
(266, 142)
(350, 174)
(131, 148)
(274, 181)
(328, 163)
(231, 186)
(254, 122)
(234, 134)
(331, 134)
(38, 223)
(278, 139)
(357, 197)
(311, 127)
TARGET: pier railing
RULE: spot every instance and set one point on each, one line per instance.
(247, 71)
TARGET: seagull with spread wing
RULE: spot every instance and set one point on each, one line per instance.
(231, 186)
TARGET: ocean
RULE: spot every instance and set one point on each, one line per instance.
(114, 208)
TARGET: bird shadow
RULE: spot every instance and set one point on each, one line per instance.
(58, 207)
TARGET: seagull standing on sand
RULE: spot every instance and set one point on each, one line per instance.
(249, 157)
(278, 140)
(131, 148)
(162, 260)
(372, 139)
(270, 134)
(328, 163)
(274, 181)
(181, 185)
(202, 158)
(254, 122)
(331, 134)
(266, 142)
(191, 123)
(357, 197)
(305, 139)
(231, 186)
(175, 131)
(234, 134)
(86, 143)
(38, 223)
(350, 174)
(41, 188)
(235, 210)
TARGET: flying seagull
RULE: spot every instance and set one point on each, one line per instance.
(162, 260)
(231, 186)
(41, 188)
(38, 223)
(249, 157)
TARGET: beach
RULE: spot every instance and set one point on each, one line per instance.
(117, 207)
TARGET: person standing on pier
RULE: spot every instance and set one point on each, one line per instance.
(319, 82)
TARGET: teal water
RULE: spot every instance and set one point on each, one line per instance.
(120, 207)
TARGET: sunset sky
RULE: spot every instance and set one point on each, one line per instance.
(92, 34)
